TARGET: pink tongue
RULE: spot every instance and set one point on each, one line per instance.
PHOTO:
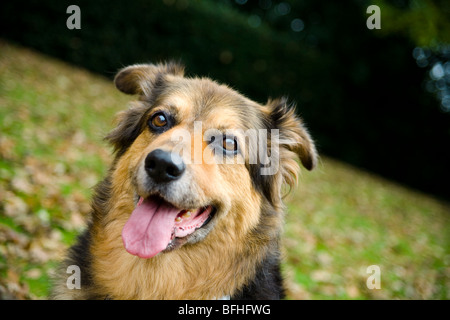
(149, 229)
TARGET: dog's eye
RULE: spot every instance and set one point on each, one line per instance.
(229, 144)
(158, 120)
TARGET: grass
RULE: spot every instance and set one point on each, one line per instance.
(340, 219)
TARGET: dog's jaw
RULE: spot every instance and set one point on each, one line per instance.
(156, 225)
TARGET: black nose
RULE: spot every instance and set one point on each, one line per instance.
(163, 166)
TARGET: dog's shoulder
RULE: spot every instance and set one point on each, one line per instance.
(76, 264)
(267, 283)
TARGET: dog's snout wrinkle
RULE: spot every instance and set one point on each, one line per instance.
(164, 166)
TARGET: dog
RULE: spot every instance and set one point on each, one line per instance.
(191, 218)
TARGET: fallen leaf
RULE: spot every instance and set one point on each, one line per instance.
(33, 273)
(14, 206)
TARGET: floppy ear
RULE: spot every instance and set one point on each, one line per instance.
(142, 78)
(294, 140)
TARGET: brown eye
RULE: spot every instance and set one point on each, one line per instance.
(159, 120)
(229, 144)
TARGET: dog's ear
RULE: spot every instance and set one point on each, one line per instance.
(294, 140)
(142, 78)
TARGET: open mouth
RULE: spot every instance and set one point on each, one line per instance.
(154, 223)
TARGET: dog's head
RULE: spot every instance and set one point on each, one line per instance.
(200, 158)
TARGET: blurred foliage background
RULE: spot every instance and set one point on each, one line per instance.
(375, 99)
(370, 97)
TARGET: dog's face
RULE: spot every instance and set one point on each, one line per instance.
(200, 158)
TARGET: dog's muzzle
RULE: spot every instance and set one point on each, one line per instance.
(168, 213)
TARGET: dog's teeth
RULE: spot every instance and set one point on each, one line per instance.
(187, 214)
(178, 219)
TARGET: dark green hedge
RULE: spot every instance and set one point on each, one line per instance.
(360, 94)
